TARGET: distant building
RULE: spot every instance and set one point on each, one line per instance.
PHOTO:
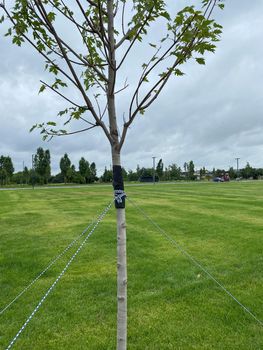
(148, 178)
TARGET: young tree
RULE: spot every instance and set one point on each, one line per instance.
(65, 164)
(108, 30)
(159, 169)
(42, 164)
(191, 170)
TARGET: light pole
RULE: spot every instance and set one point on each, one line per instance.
(153, 170)
(237, 159)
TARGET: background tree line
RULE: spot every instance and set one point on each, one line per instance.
(86, 172)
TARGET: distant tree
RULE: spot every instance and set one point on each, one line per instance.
(232, 173)
(107, 175)
(57, 179)
(146, 172)
(159, 169)
(174, 172)
(18, 177)
(258, 173)
(65, 164)
(8, 164)
(84, 169)
(34, 178)
(202, 173)
(219, 172)
(139, 171)
(3, 173)
(166, 175)
(42, 165)
(124, 174)
(72, 174)
(132, 175)
(247, 172)
(93, 172)
(191, 170)
(6, 169)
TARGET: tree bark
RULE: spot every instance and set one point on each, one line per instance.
(122, 281)
(121, 256)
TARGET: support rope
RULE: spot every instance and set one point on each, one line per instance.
(47, 268)
(193, 260)
(59, 277)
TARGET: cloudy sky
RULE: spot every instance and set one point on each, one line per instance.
(211, 115)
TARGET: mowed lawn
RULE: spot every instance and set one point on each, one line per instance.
(172, 304)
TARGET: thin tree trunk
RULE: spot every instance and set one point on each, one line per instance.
(122, 281)
(121, 253)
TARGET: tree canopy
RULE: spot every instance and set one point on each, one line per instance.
(93, 59)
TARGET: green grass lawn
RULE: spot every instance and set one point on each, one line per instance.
(171, 303)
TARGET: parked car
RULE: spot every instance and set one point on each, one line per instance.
(218, 179)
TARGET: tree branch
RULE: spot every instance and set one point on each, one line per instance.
(78, 83)
(50, 133)
(126, 36)
(60, 94)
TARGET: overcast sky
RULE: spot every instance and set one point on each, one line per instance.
(211, 115)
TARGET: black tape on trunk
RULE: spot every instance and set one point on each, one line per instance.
(118, 187)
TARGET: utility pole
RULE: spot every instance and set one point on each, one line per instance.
(237, 159)
(153, 170)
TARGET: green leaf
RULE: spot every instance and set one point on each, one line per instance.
(42, 88)
(200, 60)
(17, 40)
(51, 16)
(165, 15)
(178, 72)
(33, 128)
